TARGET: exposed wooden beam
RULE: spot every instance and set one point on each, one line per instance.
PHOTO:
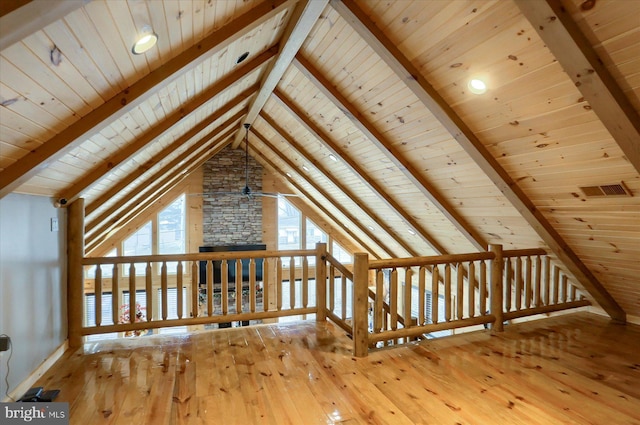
(155, 183)
(304, 17)
(301, 191)
(21, 18)
(157, 131)
(580, 61)
(180, 141)
(411, 76)
(349, 194)
(38, 159)
(304, 120)
(408, 170)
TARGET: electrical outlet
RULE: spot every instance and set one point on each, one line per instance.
(4, 343)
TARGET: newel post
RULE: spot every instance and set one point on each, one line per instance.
(321, 282)
(497, 287)
(75, 287)
(361, 305)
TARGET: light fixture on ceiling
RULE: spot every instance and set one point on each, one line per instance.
(477, 86)
(370, 228)
(305, 168)
(411, 232)
(146, 41)
(288, 175)
(333, 157)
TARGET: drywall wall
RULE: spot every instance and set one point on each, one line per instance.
(32, 283)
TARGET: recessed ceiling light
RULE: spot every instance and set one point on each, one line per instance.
(333, 157)
(146, 41)
(304, 167)
(242, 57)
(477, 86)
(370, 228)
(411, 231)
(288, 175)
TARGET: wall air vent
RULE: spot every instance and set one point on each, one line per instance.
(618, 189)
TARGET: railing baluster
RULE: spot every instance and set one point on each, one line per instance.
(459, 291)
(564, 288)
(292, 282)
(195, 290)
(537, 286)
(518, 282)
(507, 284)
(305, 282)
(573, 293)
(422, 276)
(435, 286)
(279, 284)
(148, 287)
(528, 287)
(482, 302)
(379, 302)
(343, 292)
(408, 288)
(224, 286)
(472, 288)
(393, 299)
(252, 285)
(98, 295)
(447, 292)
(265, 284)
(210, 286)
(239, 284)
(179, 289)
(164, 285)
(547, 279)
(556, 284)
(115, 294)
(332, 290)
(132, 293)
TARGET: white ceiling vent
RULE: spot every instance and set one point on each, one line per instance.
(618, 189)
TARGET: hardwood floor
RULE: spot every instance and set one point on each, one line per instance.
(574, 369)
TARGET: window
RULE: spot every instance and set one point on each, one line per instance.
(289, 222)
(172, 309)
(172, 230)
(107, 270)
(314, 236)
(341, 254)
(138, 244)
(106, 316)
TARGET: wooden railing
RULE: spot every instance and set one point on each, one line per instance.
(485, 288)
(284, 290)
(379, 302)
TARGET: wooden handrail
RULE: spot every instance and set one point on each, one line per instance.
(335, 263)
(431, 260)
(241, 255)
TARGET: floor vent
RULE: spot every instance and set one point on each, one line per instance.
(606, 190)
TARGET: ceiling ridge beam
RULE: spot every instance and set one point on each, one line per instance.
(297, 188)
(581, 63)
(183, 114)
(38, 159)
(21, 18)
(167, 183)
(411, 76)
(302, 21)
(153, 183)
(410, 172)
(180, 141)
(299, 150)
(380, 192)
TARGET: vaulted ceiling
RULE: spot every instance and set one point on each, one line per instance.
(361, 107)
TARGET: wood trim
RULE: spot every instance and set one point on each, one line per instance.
(410, 172)
(297, 188)
(325, 195)
(38, 159)
(302, 21)
(21, 18)
(545, 309)
(181, 115)
(380, 192)
(403, 67)
(299, 150)
(417, 331)
(75, 281)
(579, 60)
(180, 141)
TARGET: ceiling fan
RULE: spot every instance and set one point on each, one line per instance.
(246, 191)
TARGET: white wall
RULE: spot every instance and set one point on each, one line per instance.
(32, 284)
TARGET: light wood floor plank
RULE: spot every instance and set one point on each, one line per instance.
(575, 369)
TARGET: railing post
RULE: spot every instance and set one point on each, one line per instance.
(360, 304)
(75, 287)
(497, 287)
(321, 282)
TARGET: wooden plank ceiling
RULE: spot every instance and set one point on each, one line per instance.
(360, 107)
